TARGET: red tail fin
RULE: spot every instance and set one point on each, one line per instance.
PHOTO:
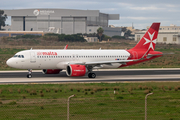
(148, 41)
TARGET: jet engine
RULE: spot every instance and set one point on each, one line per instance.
(76, 70)
(51, 71)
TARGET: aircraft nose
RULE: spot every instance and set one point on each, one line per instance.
(9, 62)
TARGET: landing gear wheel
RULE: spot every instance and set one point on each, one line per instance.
(29, 76)
(29, 73)
(91, 75)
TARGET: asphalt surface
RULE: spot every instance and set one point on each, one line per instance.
(122, 75)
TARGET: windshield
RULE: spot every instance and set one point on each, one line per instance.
(18, 56)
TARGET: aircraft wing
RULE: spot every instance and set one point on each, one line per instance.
(93, 64)
(102, 62)
(108, 62)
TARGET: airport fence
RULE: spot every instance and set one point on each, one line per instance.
(115, 107)
(92, 101)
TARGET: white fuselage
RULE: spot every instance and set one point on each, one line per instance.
(59, 59)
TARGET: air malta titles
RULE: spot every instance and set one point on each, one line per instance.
(46, 53)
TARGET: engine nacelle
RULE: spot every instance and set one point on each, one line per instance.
(76, 70)
(51, 71)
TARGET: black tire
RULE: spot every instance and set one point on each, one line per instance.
(93, 75)
(89, 75)
(29, 76)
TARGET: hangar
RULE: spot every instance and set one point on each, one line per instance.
(67, 21)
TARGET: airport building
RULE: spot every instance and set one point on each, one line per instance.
(167, 34)
(62, 21)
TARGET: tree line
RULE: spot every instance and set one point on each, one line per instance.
(59, 37)
(68, 38)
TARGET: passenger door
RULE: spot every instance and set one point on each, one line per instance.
(32, 57)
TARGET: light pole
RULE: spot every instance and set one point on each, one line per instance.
(68, 106)
(146, 104)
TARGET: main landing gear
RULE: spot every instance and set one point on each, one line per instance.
(91, 75)
(29, 73)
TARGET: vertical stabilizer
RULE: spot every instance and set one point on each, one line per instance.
(148, 41)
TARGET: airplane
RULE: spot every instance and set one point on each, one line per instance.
(80, 62)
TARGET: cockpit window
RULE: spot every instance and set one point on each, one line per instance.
(18, 56)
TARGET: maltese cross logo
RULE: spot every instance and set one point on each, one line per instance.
(151, 41)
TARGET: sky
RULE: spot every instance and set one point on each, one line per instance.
(141, 13)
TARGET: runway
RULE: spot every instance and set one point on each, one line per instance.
(114, 75)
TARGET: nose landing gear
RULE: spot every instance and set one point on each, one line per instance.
(29, 73)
